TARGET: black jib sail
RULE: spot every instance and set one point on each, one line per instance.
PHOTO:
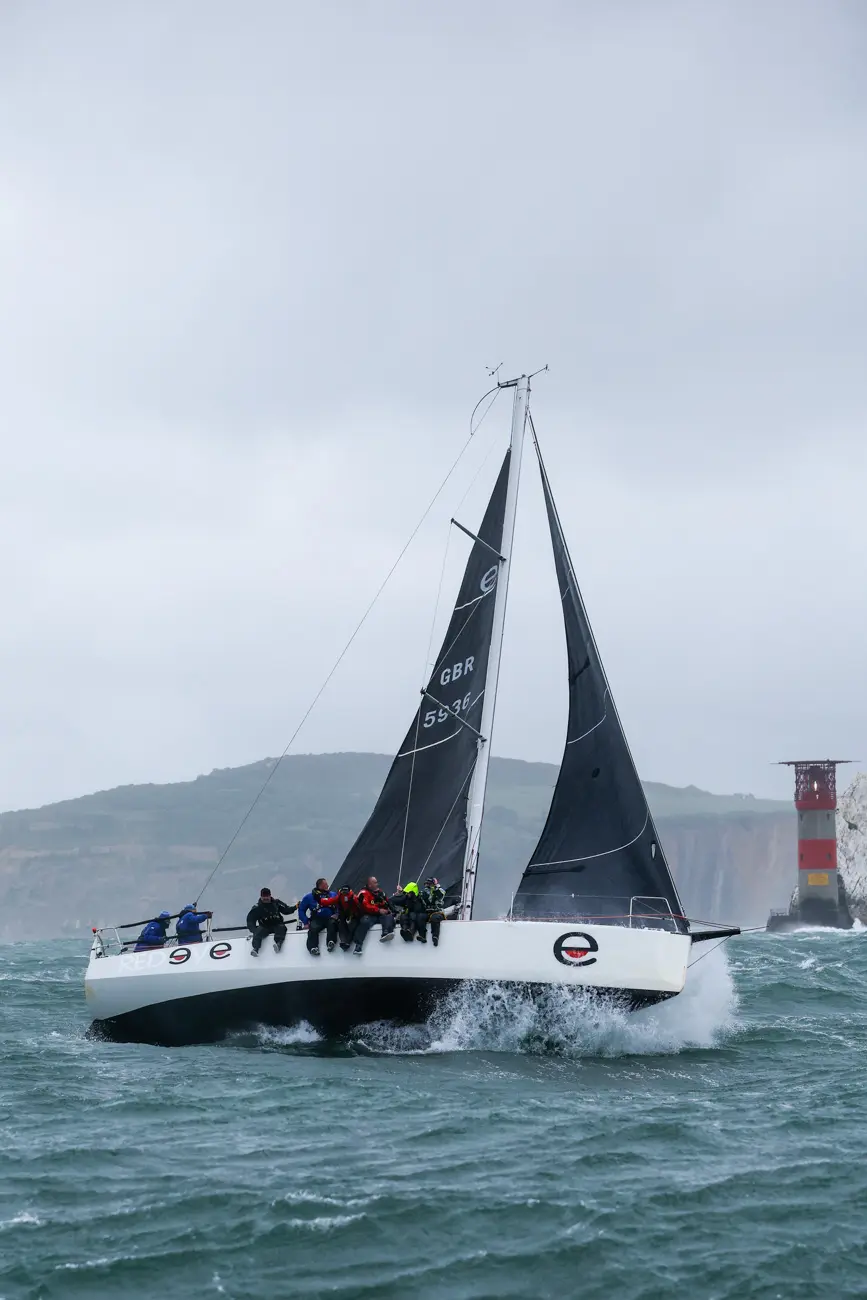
(418, 827)
(599, 857)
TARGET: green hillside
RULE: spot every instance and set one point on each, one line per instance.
(140, 847)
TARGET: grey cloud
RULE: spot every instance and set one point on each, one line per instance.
(253, 263)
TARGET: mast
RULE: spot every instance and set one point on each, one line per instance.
(478, 785)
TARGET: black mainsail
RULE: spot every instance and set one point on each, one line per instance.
(599, 857)
(418, 826)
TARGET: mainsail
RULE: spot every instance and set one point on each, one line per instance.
(418, 827)
(599, 856)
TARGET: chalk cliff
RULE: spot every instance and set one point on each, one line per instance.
(852, 844)
(123, 854)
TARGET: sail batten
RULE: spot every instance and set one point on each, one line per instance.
(599, 854)
(419, 823)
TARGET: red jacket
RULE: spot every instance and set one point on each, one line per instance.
(346, 904)
(371, 903)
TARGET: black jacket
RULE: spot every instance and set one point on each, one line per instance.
(433, 899)
(269, 912)
(410, 902)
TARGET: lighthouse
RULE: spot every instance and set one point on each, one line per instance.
(819, 898)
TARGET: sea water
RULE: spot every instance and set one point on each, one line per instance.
(710, 1147)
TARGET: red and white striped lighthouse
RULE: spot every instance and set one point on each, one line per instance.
(819, 895)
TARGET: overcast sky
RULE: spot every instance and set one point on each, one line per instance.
(254, 260)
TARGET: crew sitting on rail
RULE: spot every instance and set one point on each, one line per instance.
(318, 911)
(433, 898)
(347, 916)
(373, 909)
(411, 916)
(154, 934)
(190, 922)
(266, 917)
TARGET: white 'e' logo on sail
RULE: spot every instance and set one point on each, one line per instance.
(489, 581)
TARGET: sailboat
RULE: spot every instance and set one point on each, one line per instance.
(596, 909)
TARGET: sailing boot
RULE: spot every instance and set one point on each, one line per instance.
(421, 938)
(331, 945)
(314, 952)
(278, 946)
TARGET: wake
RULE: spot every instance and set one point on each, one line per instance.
(560, 1023)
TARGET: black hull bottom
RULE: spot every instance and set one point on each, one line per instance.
(333, 1008)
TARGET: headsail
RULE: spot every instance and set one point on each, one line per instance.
(599, 856)
(418, 827)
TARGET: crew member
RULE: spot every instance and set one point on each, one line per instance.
(347, 916)
(373, 909)
(154, 934)
(189, 925)
(317, 911)
(433, 898)
(410, 912)
(266, 917)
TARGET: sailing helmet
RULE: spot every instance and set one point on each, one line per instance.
(432, 880)
(165, 916)
(410, 887)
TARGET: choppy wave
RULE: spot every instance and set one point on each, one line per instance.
(710, 1146)
(854, 930)
(489, 1017)
(301, 1035)
(568, 1023)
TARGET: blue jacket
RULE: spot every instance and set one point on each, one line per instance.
(310, 906)
(152, 936)
(188, 927)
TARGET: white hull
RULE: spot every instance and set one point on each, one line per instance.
(197, 994)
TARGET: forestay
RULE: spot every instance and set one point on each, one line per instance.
(418, 827)
(599, 856)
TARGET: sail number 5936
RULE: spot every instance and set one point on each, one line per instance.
(434, 716)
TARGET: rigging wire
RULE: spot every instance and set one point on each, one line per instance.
(496, 391)
(487, 457)
(706, 954)
(431, 664)
(751, 929)
(355, 633)
(418, 714)
(428, 666)
(449, 813)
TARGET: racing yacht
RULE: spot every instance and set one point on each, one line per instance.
(596, 909)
